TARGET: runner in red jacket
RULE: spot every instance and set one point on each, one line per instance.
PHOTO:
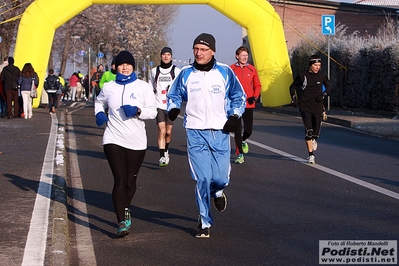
(248, 76)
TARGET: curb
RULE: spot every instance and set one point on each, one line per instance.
(295, 112)
(366, 122)
(338, 121)
(60, 230)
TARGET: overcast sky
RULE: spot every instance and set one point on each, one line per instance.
(193, 20)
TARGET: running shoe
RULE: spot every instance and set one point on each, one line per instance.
(245, 147)
(311, 159)
(162, 161)
(314, 144)
(128, 219)
(240, 159)
(122, 229)
(167, 157)
(220, 203)
(203, 232)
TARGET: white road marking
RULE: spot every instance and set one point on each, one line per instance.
(84, 243)
(35, 246)
(330, 171)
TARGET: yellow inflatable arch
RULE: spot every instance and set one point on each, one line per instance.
(263, 24)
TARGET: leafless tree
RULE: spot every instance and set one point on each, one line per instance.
(10, 12)
(141, 29)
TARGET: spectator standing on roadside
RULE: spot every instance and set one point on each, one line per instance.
(9, 77)
(249, 79)
(160, 78)
(79, 90)
(307, 92)
(28, 75)
(3, 105)
(2, 101)
(129, 102)
(73, 83)
(79, 87)
(215, 100)
(86, 87)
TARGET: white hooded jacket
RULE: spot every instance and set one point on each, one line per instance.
(127, 132)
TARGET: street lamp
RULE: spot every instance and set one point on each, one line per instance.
(74, 37)
(98, 53)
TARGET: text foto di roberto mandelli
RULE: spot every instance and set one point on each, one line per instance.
(352, 251)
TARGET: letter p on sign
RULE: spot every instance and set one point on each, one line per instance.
(328, 24)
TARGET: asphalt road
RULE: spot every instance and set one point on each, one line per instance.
(279, 207)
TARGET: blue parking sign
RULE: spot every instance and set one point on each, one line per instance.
(328, 24)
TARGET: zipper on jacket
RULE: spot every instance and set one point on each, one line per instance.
(123, 93)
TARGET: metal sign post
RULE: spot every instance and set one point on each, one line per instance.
(328, 28)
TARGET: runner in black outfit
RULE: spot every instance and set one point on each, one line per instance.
(307, 92)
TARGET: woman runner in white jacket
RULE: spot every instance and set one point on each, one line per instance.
(129, 102)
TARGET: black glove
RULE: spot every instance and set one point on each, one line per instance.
(231, 124)
(173, 113)
(251, 100)
(294, 101)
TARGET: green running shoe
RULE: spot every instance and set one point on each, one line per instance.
(240, 159)
(245, 147)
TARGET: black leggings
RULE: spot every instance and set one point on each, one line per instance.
(125, 165)
(248, 119)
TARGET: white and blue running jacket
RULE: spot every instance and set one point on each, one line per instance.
(204, 92)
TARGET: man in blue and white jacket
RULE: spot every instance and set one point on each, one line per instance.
(215, 100)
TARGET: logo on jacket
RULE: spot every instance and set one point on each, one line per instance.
(216, 89)
(195, 89)
(165, 79)
(132, 96)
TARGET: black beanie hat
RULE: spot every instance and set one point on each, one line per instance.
(314, 59)
(166, 50)
(206, 39)
(124, 57)
(10, 60)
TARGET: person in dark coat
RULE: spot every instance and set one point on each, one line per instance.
(9, 77)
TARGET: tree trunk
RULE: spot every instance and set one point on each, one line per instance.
(65, 52)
